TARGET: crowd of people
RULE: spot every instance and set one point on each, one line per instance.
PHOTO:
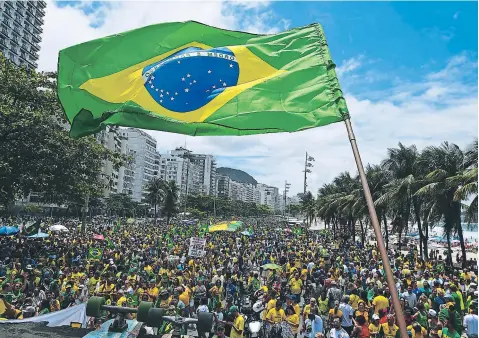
(311, 284)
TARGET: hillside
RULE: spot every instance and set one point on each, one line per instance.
(236, 175)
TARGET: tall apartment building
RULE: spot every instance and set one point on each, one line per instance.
(20, 31)
(110, 138)
(269, 196)
(206, 165)
(146, 160)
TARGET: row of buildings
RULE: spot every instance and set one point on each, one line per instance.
(194, 174)
(20, 37)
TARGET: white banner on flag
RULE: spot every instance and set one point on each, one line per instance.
(197, 247)
(76, 314)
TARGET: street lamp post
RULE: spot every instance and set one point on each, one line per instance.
(286, 189)
(307, 165)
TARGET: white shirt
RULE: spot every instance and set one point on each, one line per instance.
(347, 311)
(471, 324)
(335, 333)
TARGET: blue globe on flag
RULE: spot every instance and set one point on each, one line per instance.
(191, 78)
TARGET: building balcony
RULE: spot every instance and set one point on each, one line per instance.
(37, 29)
(37, 38)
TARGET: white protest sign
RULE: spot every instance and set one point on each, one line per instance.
(197, 246)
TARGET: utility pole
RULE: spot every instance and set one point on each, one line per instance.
(286, 189)
(307, 165)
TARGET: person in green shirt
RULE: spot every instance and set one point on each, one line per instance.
(449, 314)
(450, 332)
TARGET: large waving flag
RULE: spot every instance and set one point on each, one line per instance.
(195, 79)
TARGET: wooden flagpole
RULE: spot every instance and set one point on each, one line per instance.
(377, 230)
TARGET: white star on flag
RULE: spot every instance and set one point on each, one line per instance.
(161, 90)
(152, 77)
(161, 101)
(182, 79)
(167, 93)
(186, 90)
(156, 89)
(172, 98)
(209, 71)
(188, 75)
(161, 95)
(231, 65)
(194, 81)
(176, 93)
(224, 84)
(214, 87)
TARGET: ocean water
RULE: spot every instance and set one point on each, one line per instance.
(470, 232)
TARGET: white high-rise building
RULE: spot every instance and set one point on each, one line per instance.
(268, 195)
(147, 160)
(206, 165)
(111, 139)
(20, 31)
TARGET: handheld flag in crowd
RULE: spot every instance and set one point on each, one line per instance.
(117, 226)
(194, 79)
(132, 300)
(32, 228)
(109, 243)
(95, 253)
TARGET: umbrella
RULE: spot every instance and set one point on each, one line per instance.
(271, 267)
(39, 235)
(58, 227)
(8, 231)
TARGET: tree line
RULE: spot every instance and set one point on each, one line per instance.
(36, 152)
(435, 186)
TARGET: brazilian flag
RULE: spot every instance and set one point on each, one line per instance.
(297, 231)
(95, 253)
(132, 300)
(190, 78)
(203, 230)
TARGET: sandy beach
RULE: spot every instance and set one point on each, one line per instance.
(470, 236)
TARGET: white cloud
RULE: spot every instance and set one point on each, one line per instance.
(349, 65)
(67, 26)
(443, 106)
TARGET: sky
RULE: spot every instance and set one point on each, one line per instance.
(408, 71)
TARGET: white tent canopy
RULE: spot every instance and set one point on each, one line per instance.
(58, 227)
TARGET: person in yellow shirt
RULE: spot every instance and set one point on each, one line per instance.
(389, 329)
(276, 315)
(93, 281)
(380, 302)
(374, 326)
(335, 313)
(152, 291)
(354, 299)
(417, 331)
(270, 304)
(362, 311)
(309, 308)
(237, 326)
(292, 318)
(296, 285)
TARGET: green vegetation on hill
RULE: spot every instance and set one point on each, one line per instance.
(236, 175)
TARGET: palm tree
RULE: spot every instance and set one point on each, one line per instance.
(308, 206)
(155, 193)
(444, 164)
(170, 199)
(399, 192)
